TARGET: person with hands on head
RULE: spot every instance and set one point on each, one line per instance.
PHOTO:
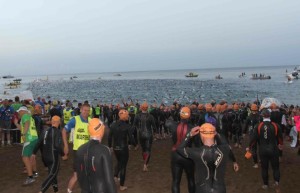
(93, 162)
(51, 143)
(210, 159)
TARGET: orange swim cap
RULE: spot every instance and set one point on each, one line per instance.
(185, 113)
(55, 118)
(123, 115)
(207, 131)
(96, 128)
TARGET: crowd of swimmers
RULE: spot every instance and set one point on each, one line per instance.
(201, 134)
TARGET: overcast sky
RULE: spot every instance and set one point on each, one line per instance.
(72, 36)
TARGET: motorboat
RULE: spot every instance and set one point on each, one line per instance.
(8, 76)
(117, 75)
(191, 74)
(294, 74)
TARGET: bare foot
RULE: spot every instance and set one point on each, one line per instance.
(122, 188)
(145, 169)
(116, 179)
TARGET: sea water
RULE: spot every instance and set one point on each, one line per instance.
(164, 86)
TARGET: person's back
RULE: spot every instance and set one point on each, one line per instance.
(268, 137)
(94, 168)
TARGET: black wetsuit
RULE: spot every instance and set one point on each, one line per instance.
(162, 121)
(40, 129)
(51, 142)
(178, 162)
(210, 163)
(94, 168)
(250, 123)
(237, 127)
(268, 139)
(119, 134)
(227, 121)
(276, 117)
(145, 124)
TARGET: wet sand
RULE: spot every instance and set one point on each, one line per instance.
(158, 179)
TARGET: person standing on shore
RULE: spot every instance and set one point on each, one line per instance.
(178, 162)
(81, 136)
(30, 139)
(210, 158)
(119, 134)
(51, 143)
(269, 137)
(145, 124)
(250, 123)
(6, 114)
(93, 162)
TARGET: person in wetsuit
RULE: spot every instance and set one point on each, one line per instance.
(178, 162)
(210, 159)
(145, 124)
(51, 142)
(250, 123)
(279, 118)
(269, 137)
(237, 126)
(119, 134)
(93, 162)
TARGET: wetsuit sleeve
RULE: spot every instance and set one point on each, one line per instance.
(58, 142)
(38, 145)
(153, 124)
(231, 155)
(247, 122)
(110, 135)
(279, 135)
(183, 149)
(108, 175)
(131, 137)
(254, 137)
(172, 128)
(222, 141)
(136, 121)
